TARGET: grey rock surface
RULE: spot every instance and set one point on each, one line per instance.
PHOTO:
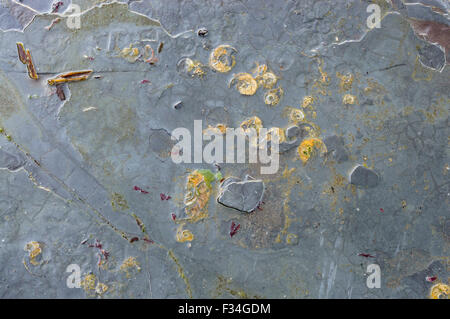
(361, 176)
(93, 166)
(243, 195)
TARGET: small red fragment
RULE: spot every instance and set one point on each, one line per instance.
(234, 228)
(173, 216)
(132, 240)
(145, 81)
(137, 188)
(382, 210)
(164, 196)
(56, 6)
(148, 240)
(430, 279)
(366, 255)
(260, 205)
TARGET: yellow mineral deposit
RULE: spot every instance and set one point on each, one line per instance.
(253, 122)
(72, 76)
(88, 283)
(346, 81)
(197, 197)
(34, 249)
(195, 68)
(118, 202)
(259, 69)
(265, 79)
(291, 239)
(222, 58)
(307, 101)
(270, 133)
(219, 129)
(130, 53)
(101, 288)
(245, 83)
(129, 265)
(349, 99)
(273, 96)
(184, 235)
(309, 147)
(440, 291)
(25, 58)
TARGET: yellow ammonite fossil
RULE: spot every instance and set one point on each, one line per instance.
(349, 99)
(222, 58)
(184, 235)
(245, 83)
(439, 290)
(267, 80)
(196, 197)
(296, 115)
(308, 146)
(273, 96)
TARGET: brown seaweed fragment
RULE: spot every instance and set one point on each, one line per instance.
(25, 58)
(72, 76)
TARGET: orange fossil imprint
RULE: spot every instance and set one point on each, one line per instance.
(72, 76)
(25, 58)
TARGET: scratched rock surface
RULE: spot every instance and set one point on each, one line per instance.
(89, 180)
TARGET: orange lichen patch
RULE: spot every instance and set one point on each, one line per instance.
(440, 291)
(245, 83)
(273, 96)
(129, 265)
(25, 58)
(72, 76)
(252, 123)
(197, 196)
(307, 101)
(184, 235)
(222, 58)
(308, 147)
(349, 99)
(346, 81)
(34, 249)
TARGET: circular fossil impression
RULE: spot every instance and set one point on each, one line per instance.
(222, 58)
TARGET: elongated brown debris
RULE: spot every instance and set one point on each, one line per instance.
(25, 58)
(60, 92)
(72, 76)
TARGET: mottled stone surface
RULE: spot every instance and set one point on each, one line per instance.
(94, 165)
